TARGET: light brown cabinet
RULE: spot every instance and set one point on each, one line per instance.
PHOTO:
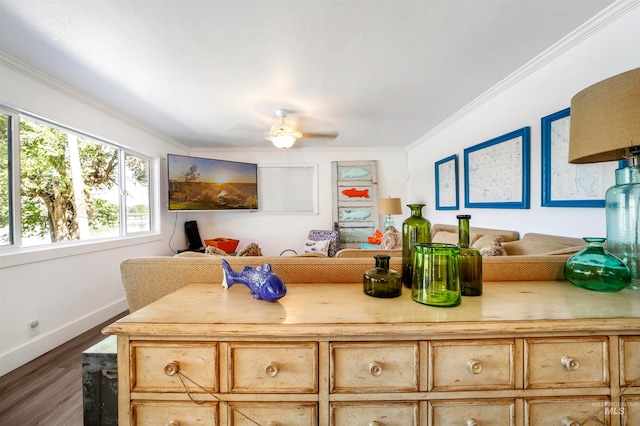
(301, 362)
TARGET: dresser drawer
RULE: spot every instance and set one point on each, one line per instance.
(156, 366)
(570, 411)
(629, 410)
(273, 413)
(279, 367)
(471, 365)
(571, 362)
(630, 361)
(374, 367)
(372, 413)
(174, 413)
(478, 412)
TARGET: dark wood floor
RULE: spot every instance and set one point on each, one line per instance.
(48, 390)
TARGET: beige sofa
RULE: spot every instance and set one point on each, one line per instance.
(146, 279)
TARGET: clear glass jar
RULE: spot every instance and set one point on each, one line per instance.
(469, 260)
(623, 220)
(594, 268)
(435, 278)
(382, 281)
(415, 229)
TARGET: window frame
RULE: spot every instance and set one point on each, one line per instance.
(15, 254)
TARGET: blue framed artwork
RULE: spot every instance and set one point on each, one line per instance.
(565, 184)
(447, 183)
(496, 172)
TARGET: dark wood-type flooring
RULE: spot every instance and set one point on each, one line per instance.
(48, 390)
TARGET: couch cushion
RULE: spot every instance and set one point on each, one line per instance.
(445, 237)
(474, 233)
(515, 248)
(555, 239)
(368, 253)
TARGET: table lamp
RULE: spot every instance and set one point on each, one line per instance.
(389, 206)
(605, 126)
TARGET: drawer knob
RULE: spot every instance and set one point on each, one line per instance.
(173, 423)
(272, 369)
(474, 366)
(568, 421)
(472, 422)
(171, 369)
(570, 364)
(375, 423)
(375, 368)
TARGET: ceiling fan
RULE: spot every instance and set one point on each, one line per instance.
(283, 134)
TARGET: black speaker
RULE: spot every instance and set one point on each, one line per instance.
(193, 236)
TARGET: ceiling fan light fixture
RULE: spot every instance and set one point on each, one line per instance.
(282, 135)
(283, 141)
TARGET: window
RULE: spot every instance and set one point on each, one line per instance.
(290, 188)
(72, 186)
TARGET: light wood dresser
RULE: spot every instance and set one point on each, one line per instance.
(523, 353)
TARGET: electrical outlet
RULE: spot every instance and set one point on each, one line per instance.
(33, 327)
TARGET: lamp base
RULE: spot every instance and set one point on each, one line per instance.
(389, 222)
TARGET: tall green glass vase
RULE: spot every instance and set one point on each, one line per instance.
(415, 229)
(594, 268)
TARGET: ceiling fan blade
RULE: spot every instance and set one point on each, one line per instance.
(329, 136)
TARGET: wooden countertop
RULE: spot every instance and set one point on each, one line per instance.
(504, 309)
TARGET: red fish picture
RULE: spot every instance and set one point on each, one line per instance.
(356, 193)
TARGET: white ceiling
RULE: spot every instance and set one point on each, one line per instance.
(210, 73)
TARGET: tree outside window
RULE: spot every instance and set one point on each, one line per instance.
(76, 188)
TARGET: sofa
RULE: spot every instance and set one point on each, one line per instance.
(146, 279)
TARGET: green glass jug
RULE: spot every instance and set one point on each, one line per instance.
(382, 281)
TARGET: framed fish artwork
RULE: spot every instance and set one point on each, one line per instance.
(355, 209)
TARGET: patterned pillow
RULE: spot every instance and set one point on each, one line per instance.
(332, 236)
(321, 246)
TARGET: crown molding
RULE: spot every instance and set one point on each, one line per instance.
(612, 13)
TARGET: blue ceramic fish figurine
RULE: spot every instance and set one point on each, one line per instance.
(262, 281)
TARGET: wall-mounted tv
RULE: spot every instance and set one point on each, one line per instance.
(208, 184)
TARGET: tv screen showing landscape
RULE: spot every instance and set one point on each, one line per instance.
(208, 184)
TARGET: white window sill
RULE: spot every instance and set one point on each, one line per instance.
(14, 257)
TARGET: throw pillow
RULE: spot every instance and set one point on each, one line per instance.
(321, 246)
(252, 249)
(391, 240)
(490, 245)
(214, 251)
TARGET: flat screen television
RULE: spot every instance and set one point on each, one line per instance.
(208, 184)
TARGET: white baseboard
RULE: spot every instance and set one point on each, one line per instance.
(31, 350)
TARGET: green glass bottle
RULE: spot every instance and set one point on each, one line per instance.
(382, 281)
(594, 268)
(415, 229)
(469, 260)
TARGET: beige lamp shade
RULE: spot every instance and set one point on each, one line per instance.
(389, 206)
(605, 120)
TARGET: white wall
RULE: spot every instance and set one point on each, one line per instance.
(277, 232)
(68, 289)
(607, 46)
